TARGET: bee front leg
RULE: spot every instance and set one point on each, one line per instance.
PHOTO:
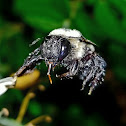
(30, 63)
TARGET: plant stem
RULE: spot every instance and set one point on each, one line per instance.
(39, 119)
(24, 106)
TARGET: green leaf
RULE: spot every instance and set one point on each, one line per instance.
(44, 23)
(117, 52)
(15, 97)
(120, 5)
(89, 28)
(15, 55)
(108, 21)
(118, 60)
(82, 22)
(124, 22)
(35, 108)
(91, 2)
(42, 14)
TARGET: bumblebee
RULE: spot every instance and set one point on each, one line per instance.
(68, 48)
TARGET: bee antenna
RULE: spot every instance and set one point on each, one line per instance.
(34, 42)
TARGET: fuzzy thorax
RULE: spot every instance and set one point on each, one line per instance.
(66, 32)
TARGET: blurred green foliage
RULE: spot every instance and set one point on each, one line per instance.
(104, 22)
(22, 21)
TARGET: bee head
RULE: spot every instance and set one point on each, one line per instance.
(55, 49)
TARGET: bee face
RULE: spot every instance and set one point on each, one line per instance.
(55, 49)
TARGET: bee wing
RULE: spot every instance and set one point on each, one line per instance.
(87, 41)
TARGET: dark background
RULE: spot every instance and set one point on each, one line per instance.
(103, 22)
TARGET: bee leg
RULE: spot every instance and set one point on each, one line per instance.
(30, 63)
(73, 68)
(97, 80)
(64, 75)
(88, 78)
(48, 73)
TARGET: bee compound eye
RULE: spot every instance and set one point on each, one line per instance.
(65, 48)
